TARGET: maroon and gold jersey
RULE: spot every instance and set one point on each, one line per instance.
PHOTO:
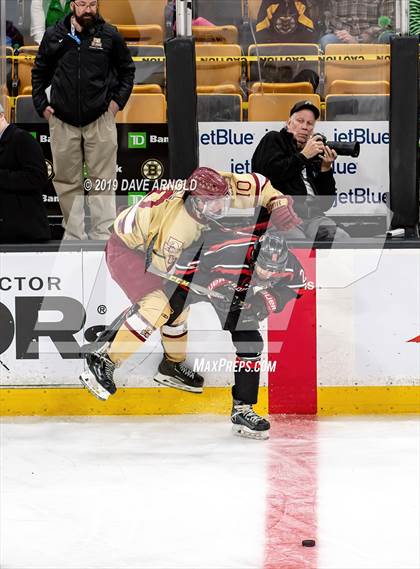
(160, 221)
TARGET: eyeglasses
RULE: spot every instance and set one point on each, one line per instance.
(84, 5)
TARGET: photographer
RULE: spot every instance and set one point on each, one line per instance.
(298, 163)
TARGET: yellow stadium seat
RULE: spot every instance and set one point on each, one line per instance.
(208, 89)
(342, 87)
(134, 12)
(147, 88)
(217, 34)
(345, 62)
(7, 104)
(143, 108)
(357, 49)
(275, 106)
(150, 34)
(300, 87)
(25, 64)
(219, 72)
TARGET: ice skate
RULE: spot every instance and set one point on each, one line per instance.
(98, 379)
(179, 376)
(246, 423)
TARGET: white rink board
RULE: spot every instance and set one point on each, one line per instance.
(364, 323)
(363, 329)
(229, 146)
(84, 282)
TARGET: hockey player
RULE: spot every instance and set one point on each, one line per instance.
(257, 276)
(160, 227)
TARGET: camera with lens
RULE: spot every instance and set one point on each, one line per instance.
(342, 148)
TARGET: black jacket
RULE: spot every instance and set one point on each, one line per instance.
(286, 22)
(83, 77)
(23, 178)
(278, 158)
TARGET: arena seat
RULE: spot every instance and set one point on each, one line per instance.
(147, 88)
(7, 103)
(25, 111)
(217, 34)
(342, 87)
(347, 49)
(25, 64)
(357, 107)
(353, 67)
(281, 71)
(219, 72)
(148, 72)
(299, 87)
(275, 106)
(208, 89)
(134, 13)
(143, 108)
(148, 34)
(219, 107)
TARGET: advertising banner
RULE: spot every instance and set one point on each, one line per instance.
(142, 159)
(363, 335)
(49, 306)
(362, 183)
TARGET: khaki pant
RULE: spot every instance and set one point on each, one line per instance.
(95, 144)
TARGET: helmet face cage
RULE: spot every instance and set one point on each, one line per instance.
(207, 212)
(271, 253)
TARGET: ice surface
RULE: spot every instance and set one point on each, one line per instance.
(183, 492)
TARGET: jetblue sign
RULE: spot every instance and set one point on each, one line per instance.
(362, 183)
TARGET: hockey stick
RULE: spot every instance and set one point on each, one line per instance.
(97, 335)
(192, 286)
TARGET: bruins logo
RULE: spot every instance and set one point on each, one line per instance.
(152, 169)
(50, 169)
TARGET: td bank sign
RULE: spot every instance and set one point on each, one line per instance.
(137, 140)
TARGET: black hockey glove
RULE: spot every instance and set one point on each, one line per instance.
(230, 302)
(266, 302)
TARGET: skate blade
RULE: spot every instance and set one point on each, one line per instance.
(246, 433)
(93, 386)
(171, 382)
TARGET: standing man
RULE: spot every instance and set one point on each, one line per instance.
(23, 178)
(298, 162)
(91, 73)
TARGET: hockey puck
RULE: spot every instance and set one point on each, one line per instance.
(308, 543)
